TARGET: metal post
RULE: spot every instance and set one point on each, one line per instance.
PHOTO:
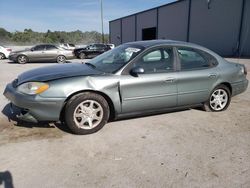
(102, 22)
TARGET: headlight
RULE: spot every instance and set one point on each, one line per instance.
(32, 88)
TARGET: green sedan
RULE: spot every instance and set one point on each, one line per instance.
(132, 79)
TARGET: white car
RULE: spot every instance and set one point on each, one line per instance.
(4, 52)
(68, 46)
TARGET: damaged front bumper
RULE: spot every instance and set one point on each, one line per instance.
(34, 108)
(22, 114)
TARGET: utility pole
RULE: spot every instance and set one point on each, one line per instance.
(102, 21)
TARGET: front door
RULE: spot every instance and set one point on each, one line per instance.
(156, 88)
(37, 53)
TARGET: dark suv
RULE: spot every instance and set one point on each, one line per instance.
(91, 51)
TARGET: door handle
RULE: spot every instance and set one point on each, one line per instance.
(169, 80)
(212, 75)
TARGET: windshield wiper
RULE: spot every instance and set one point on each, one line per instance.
(91, 65)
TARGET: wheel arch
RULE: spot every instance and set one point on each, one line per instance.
(228, 85)
(105, 96)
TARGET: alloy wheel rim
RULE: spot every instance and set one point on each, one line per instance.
(218, 99)
(88, 114)
(82, 56)
(61, 59)
(22, 59)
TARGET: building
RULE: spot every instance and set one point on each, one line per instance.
(220, 25)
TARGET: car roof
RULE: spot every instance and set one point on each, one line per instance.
(149, 43)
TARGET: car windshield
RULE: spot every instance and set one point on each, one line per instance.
(112, 60)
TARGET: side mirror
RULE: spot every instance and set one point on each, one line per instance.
(32, 49)
(136, 71)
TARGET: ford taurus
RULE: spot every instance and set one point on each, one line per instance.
(132, 79)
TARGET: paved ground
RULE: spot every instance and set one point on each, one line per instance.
(188, 148)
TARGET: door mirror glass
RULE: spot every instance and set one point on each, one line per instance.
(136, 71)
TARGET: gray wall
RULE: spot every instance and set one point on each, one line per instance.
(115, 32)
(245, 37)
(173, 21)
(146, 20)
(216, 28)
(128, 29)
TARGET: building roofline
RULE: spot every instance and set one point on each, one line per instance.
(168, 4)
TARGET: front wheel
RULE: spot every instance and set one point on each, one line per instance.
(86, 113)
(61, 59)
(219, 99)
(22, 59)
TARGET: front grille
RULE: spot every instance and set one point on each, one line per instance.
(14, 83)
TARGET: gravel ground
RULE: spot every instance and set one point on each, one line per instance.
(190, 148)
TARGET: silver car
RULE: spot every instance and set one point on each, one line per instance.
(42, 53)
(132, 79)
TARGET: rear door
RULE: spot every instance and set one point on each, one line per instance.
(51, 52)
(156, 88)
(197, 75)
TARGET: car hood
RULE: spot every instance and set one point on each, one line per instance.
(56, 72)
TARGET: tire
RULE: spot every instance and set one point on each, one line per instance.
(2, 56)
(219, 99)
(22, 59)
(61, 59)
(82, 55)
(86, 113)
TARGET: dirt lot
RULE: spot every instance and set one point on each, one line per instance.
(188, 148)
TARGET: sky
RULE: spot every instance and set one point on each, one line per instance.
(67, 15)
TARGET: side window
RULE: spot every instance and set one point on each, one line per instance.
(192, 59)
(152, 56)
(50, 47)
(92, 47)
(39, 48)
(157, 61)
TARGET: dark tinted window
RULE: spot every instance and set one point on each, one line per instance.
(91, 47)
(157, 60)
(192, 59)
(50, 47)
(100, 45)
(39, 48)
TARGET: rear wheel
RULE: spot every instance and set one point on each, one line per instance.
(82, 55)
(2, 56)
(219, 99)
(86, 113)
(61, 59)
(22, 59)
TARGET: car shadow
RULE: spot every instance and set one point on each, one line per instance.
(6, 179)
(12, 117)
